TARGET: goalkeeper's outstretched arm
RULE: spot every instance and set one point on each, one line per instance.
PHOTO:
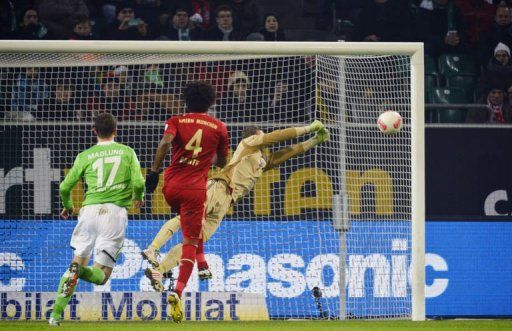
(277, 158)
(276, 136)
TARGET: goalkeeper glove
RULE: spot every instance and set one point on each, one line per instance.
(322, 135)
(152, 181)
(315, 126)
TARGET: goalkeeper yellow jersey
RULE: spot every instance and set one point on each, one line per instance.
(111, 172)
(248, 162)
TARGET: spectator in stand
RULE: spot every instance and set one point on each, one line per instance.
(382, 20)
(224, 30)
(59, 16)
(202, 12)
(61, 104)
(246, 15)
(271, 30)
(239, 101)
(30, 27)
(127, 26)
(111, 99)
(28, 95)
(125, 77)
(178, 27)
(498, 72)
(281, 102)
(82, 29)
(500, 32)
(8, 21)
(497, 111)
(149, 10)
(441, 28)
(478, 16)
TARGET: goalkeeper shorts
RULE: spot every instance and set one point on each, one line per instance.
(101, 227)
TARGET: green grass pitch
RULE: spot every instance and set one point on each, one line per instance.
(452, 325)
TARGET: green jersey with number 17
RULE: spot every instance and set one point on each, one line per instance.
(112, 175)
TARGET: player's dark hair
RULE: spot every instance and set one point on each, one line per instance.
(199, 96)
(105, 125)
(250, 131)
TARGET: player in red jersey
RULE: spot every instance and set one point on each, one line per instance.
(196, 138)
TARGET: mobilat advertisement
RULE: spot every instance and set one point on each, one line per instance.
(255, 277)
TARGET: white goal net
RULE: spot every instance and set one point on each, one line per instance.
(339, 214)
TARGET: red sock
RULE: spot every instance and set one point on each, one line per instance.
(188, 256)
(201, 260)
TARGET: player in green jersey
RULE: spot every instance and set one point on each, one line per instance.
(114, 180)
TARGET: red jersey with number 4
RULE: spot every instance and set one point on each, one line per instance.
(198, 137)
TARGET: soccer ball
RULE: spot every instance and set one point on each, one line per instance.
(390, 122)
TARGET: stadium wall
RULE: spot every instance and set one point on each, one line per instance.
(469, 260)
(467, 272)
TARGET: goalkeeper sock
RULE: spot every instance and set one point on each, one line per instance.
(92, 275)
(60, 302)
(166, 231)
(188, 258)
(171, 260)
(201, 260)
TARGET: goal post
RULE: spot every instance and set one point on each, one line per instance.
(359, 198)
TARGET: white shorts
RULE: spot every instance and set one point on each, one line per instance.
(101, 227)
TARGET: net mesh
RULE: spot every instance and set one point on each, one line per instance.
(343, 209)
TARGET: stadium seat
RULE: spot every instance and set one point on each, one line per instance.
(452, 64)
(464, 81)
(447, 95)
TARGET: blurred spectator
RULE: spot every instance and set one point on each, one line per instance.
(344, 30)
(125, 77)
(344, 10)
(500, 32)
(498, 110)
(59, 16)
(178, 27)
(202, 13)
(239, 101)
(441, 28)
(82, 29)
(28, 94)
(8, 22)
(478, 17)
(271, 30)
(127, 26)
(61, 104)
(153, 78)
(282, 104)
(112, 99)
(30, 27)
(498, 72)
(149, 10)
(224, 29)
(382, 20)
(246, 15)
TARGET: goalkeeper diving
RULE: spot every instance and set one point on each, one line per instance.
(227, 187)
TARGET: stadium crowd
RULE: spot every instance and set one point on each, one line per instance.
(467, 44)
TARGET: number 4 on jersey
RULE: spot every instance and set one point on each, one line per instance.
(194, 144)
